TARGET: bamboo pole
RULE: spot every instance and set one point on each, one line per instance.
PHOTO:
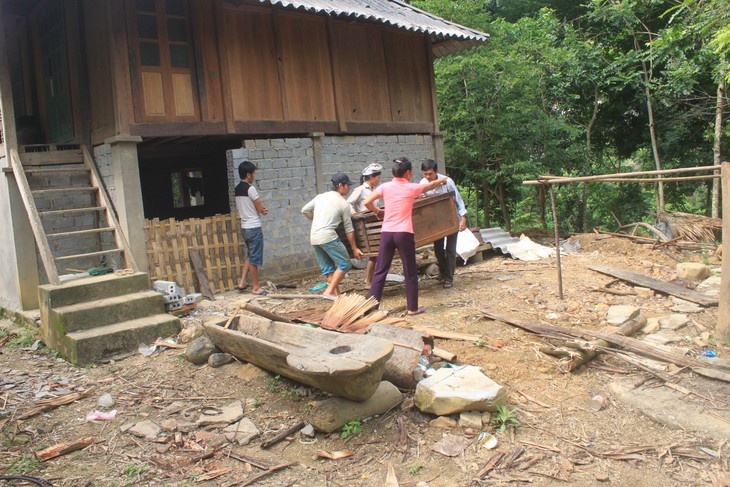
(557, 243)
(600, 177)
(664, 180)
(723, 314)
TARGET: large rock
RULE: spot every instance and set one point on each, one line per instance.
(199, 350)
(190, 333)
(332, 414)
(673, 322)
(229, 414)
(242, 432)
(145, 429)
(618, 314)
(710, 286)
(459, 389)
(694, 271)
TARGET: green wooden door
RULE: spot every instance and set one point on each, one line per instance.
(55, 74)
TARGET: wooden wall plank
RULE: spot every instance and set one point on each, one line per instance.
(99, 62)
(253, 75)
(409, 80)
(306, 67)
(209, 71)
(360, 65)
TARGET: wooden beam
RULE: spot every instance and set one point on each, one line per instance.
(337, 83)
(34, 218)
(723, 314)
(657, 285)
(121, 81)
(7, 109)
(199, 268)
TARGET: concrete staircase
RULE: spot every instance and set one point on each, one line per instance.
(97, 318)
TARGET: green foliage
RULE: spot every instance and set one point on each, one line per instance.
(414, 468)
(505, 417)
(133, 472)
(352, 428)
(563, 88)
(26, 463)
(273, 383)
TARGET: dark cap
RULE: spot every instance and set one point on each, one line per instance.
(341, 178)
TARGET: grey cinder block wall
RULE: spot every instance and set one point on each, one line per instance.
(287, 180)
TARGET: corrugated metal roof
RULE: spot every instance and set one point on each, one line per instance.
(447, 37)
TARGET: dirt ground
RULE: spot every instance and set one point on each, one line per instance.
(566, 438)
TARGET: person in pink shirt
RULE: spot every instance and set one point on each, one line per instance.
(397, 230)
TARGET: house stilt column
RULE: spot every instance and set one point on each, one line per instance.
(128, 194)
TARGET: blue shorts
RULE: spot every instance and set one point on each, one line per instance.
(330, 255)
(254, 239)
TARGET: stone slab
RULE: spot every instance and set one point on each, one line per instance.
(458, 389)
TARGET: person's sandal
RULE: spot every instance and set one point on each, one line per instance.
(419, 311)
(448, 285)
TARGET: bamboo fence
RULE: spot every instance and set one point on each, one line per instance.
(217, 239)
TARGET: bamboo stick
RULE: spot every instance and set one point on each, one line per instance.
(600, 177)
(557, 243)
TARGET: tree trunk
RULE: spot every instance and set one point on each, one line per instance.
(503, 205)
(652, 129)
(716, 147)
(485, 191)
(589, 156)
(541, 203)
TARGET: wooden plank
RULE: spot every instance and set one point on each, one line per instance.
(64, 448)
(305, 67)
(90, 254)
(208, 66)
(76, 233)
(120, 55)
(723, 314)
(7, 108)
(205, 288)
(409, 77)
(360, 64)
(657, 285)
(52, 157)
(34, 218)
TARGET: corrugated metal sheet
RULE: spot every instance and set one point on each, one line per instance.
(447, 37)
(498, 239)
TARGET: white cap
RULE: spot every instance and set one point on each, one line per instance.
(372, 169)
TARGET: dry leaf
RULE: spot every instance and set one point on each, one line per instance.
(214, 474)
(391, 480)
(335, 455)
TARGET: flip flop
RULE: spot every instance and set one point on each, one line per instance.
(419, 311)
(318, 287)
(262, 293)
(241, 289)
(331, 298)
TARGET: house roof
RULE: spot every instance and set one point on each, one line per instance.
(447, 37)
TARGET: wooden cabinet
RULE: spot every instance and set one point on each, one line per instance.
(434, 217)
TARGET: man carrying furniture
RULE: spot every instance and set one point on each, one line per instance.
(446, 257)
(327, 211)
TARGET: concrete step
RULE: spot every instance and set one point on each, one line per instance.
(102, 312)
(84, 347)
(91, 289)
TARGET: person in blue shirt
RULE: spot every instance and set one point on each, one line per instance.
(445, 255)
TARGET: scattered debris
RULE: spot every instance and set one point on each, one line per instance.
(281, 435)
(46, 404)
(451, 445)
(64, 448)
(335, 455)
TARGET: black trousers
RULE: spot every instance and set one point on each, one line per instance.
(446, 257)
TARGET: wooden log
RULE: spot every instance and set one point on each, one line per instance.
(400, 365)
(627, 328)
(281, 435)
(444, 354)
(447, 335)
(199, 268)
(657, 285)
(723, 314)
(266, 313)
(63, 448)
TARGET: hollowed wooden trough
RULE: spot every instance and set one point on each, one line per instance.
(344, 364)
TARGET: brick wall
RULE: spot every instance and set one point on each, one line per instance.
(286, 179)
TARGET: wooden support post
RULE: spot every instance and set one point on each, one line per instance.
(723, 314)
(317, 155)
(557, 242)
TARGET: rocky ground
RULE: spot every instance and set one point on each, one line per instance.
(608, 423)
